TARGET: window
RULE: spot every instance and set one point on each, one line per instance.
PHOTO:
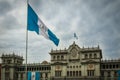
(40, 68)
(86, 56)
(76, 66)
(68, 73)
(62, 57)
(95, 55)
(79, 73)
(58, 57)
(53, 57)
(76, 73)
(116, 65)
(103, 66)
(113, 66)
(90, 55)
(57, 73)
(79, 66)
(106, 66)
(90, 72)
(110, 66)
(73, 73)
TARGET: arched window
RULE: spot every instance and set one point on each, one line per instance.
(79, 73)
(90, 56)
(86, 56)
(95, 55)
(116, 65)
(62, 57)
(58, 57)
(68, 73)
(53, 57)
(73, 73)
(76, 73)
(76, 66)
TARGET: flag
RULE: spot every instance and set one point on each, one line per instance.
(118, 74)
(33, 75)
(32, 20)
(34, 23)
(75, 36)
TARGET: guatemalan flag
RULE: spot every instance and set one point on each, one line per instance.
(118, 74)
(33, 76)
(34, 23)
(75, 36)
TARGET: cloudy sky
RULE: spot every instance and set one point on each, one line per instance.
(94, 21)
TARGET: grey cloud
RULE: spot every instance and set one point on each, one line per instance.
(4, 7)
(8, 23)
(93, 21)
(12, 40)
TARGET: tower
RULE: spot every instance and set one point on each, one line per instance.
(9, 66)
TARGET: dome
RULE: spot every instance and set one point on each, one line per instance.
(44, 62)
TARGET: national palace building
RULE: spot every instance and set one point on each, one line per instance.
(72, 63)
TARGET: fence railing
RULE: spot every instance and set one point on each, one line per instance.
(86, 78)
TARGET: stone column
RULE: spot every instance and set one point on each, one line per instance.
(24, 76)
(48, 76)
(112, 75)
(3, 74)
(11, 74)
(64, 71)
(97, 70)
(106, 74)
(19, 78)
(83, 70)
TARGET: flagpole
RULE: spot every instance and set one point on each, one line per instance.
(26, 42)
(26, 51)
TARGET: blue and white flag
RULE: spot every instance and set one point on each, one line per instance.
(33, 76)
(75, 36)
(34, 23)
(118, 74)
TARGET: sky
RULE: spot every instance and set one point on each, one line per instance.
(95, 22)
